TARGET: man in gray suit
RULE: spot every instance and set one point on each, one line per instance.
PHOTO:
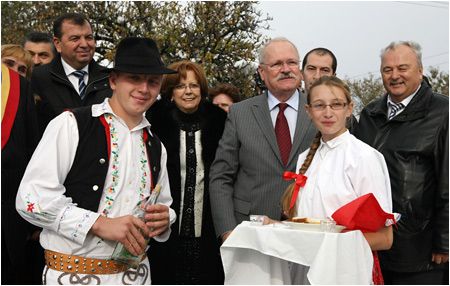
(247, 174)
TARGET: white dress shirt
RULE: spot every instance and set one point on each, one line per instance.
(290, 112)
(343, 169)
(405, 102)
(41, 200)
(68, 69)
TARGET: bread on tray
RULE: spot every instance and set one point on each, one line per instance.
(308, 219)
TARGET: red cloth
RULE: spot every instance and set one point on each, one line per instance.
(364, 214)
(377, 276)
(12, 104)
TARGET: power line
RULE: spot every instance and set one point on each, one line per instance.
(435, 55)
(367, 73)
(440, 2)
(422, 4)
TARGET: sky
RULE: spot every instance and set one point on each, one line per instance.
(356, 31)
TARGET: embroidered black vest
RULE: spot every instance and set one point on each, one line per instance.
(85, 181)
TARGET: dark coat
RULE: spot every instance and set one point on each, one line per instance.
(16, 153)
(415, 146)
(54, 92)
(165, 123)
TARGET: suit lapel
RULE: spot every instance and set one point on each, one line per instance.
(261, 112)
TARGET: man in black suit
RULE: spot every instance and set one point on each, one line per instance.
(73, 78)
(19, 138)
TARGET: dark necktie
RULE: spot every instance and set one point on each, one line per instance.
(81, 84)
(283, 134)
(394, 109)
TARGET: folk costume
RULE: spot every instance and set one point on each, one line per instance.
(42, 196)
(342, 170)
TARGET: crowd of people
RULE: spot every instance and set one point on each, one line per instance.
(83, 146)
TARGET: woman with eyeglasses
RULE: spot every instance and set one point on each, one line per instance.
(190, 128)
(338, 168)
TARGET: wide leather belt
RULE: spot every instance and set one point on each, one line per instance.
(82, 265)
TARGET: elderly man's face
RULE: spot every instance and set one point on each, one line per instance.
(280, 70)
(401, 73)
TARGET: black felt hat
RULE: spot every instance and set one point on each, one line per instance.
(139, 56)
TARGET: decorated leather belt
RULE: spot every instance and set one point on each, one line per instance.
(82, 265)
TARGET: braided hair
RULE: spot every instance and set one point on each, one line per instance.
(330, 81)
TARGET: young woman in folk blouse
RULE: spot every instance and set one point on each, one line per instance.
(338, 167)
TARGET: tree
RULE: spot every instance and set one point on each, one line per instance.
(223, 37)
(364, 91)
(438, 80)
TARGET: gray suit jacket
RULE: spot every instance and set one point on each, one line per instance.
(247, 174)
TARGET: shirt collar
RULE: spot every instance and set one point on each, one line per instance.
(333, 143)
(405, 101)
(68, 69)
(105, 108)
(292, 101)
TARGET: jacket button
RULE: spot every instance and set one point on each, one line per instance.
(95, 188)
(102, 161)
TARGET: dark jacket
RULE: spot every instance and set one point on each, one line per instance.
(16, 153)
(54, 92)
(415, 146)
(165, 123)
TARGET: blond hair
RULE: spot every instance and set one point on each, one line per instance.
(18, 52)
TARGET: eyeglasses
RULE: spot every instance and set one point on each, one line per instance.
(335, 106)
(182, 87)
(292, 64)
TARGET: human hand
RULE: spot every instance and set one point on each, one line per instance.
(158, 218)
(124, 229)
(226, 235)
(268, 220)
(439, 258)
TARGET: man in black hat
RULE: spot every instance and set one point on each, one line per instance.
(100, 163)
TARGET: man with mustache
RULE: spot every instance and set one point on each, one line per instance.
(409, 126)
(247, 175)
(73, 78)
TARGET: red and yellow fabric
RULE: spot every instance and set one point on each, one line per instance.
(10, 101)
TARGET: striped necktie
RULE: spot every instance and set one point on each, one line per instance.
(395, 108)
(81, 84)
(283, 134)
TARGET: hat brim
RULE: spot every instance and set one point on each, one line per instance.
(141, 70)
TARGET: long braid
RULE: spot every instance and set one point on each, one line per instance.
(287, 196)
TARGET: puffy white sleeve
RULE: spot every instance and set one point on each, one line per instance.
(370, 175)
(40, 198)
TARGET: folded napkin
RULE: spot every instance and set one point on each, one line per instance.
(364, 214)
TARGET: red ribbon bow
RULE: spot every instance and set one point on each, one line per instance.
(300, 181)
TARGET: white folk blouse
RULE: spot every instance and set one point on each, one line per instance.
(343, 169)
(41, 200)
